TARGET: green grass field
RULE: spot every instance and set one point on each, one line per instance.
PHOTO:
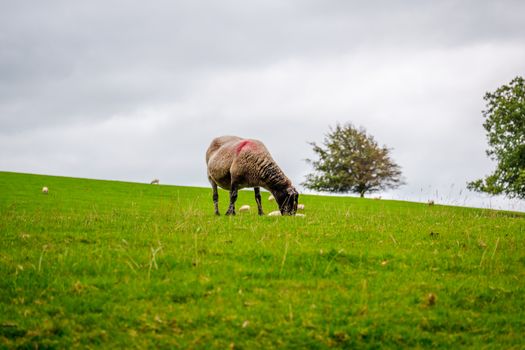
(125, 265)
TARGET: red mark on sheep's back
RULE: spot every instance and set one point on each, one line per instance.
(241, 145)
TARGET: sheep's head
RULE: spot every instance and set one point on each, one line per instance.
(287, 200)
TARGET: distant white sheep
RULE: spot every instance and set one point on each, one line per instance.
(299, 214)
(430, 202)
(155, 182)
(45, 190)
(244, 208)
(300, 206)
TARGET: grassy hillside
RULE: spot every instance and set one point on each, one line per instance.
(115, 264)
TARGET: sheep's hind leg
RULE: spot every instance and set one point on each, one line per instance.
(233, 198)
(257, 191)
(215, 196)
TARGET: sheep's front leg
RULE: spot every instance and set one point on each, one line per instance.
(215, 196)
(257, 191)
(233, 198)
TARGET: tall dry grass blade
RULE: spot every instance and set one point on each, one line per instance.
(284, 257)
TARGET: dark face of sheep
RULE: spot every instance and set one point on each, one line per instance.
(287, 200)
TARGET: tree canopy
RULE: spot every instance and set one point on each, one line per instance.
(505, 126)
(350, 160)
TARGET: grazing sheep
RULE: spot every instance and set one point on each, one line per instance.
(300, 206)
(45, 190)
(244, 208)
(155, 182)
(271, 198)
(234, 163)
(430, 202)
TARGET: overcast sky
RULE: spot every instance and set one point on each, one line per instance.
(136, 90)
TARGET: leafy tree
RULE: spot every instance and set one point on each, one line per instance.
(350, 160)
(505, 126)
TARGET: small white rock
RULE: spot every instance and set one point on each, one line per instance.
(45, 190)
(245, 207)
(275, 213)
(300, 206)
(271, 198)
